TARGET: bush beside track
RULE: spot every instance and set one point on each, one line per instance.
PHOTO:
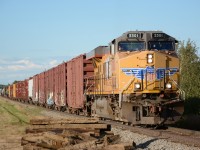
(191, 122)
(191, 117)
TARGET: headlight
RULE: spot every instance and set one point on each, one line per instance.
(149, 58)
(137, 86)
(168, 85)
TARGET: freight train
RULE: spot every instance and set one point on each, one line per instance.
(134, 80)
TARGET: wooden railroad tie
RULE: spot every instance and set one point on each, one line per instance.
(70, 134)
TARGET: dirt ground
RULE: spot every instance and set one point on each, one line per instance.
(14, 118)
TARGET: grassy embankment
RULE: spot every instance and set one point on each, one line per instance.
(14, 118)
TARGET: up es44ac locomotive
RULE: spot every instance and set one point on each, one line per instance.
(136, 79)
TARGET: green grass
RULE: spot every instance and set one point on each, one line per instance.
(15, 114)
(15, 118)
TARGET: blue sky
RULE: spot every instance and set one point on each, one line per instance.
(38, 34)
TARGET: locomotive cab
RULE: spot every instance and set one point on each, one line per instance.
(136, 79)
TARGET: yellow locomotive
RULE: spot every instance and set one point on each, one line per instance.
(136, 79)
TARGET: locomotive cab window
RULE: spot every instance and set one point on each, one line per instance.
(161, 45)
(131, 46)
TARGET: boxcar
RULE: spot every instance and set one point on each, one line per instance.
(21, 90)
(42, 96)
(60, 85)
(77, 69)
(35, 98)
(30, 89)
(10, 91)
(50, 86)
(14, 87)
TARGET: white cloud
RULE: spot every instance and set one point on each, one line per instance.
(23, 61)
(23, 64)
(3, 61)
(21, 69)
(28, 64)
(14, 67)
(53, 63)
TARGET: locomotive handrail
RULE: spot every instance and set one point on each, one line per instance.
(88, 89)
(87, 81)
(92, 84)
(123, 89)
(182, 93)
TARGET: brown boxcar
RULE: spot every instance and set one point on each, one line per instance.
(77, 69)
(42, 96)
(60, 84)
(35, 88)
(22, 90)
(50, 87)
(10, 91)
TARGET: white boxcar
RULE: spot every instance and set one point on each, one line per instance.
(30, 89)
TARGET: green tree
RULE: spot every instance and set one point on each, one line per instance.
(15, 81)
(189, 68)
(190, 78)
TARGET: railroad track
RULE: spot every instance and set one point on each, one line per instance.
(177, 135)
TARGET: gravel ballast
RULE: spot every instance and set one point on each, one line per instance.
(143, 142)
(150, 143)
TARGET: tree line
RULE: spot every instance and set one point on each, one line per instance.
(190, 75)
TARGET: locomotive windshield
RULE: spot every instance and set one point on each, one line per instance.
(131, 46)
(161, 45)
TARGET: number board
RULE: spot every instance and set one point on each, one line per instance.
(158, 35)
(133, 35)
